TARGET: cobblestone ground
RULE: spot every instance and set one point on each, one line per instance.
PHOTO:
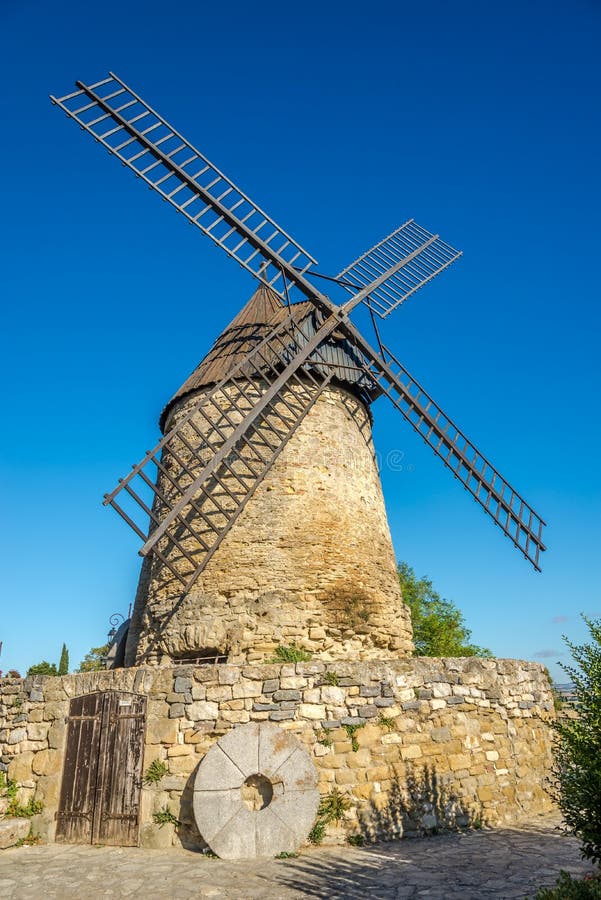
(507, 863)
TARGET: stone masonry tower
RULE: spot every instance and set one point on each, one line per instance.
(309, 561)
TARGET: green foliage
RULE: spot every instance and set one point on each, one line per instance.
(155, 771)
(323, 738)
(31, 808)
(356, 840)
(63, 666)
(332, 808)
(439, 628)
(286, 855)
(29, 841)
(165, 817)
(352, 730)
(318, 832)
(42, 668)
(578, 747)
(8, 788)
(385, 722)
(291, 654)
(568, 888)
(93, 661)
(330, 678)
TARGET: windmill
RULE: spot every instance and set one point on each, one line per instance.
(228, 428)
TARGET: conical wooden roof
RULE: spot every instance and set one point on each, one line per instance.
(255, 320)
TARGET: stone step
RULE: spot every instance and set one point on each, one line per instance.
(12, 831)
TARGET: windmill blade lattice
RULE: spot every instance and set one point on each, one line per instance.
(425, 255)
(208, 466)
(508, 509)
(113, 114)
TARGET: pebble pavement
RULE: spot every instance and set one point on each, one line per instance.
(503, 863)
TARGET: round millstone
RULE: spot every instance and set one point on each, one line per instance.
(255, 793)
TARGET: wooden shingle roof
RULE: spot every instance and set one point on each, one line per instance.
(263, 312)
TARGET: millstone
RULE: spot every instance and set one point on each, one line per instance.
(255, 793)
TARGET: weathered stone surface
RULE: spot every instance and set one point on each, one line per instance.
(285, 799)
(13, 830)
(323, 490)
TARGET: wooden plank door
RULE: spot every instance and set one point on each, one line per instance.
(78, 789)
(102, 773)
(119, 779)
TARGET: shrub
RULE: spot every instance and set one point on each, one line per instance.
(165, 817)
(568, 888)
(155, 771)
(577, 767)
(42, 668)
(291, 654)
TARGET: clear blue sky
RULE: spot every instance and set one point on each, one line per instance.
(480, 120)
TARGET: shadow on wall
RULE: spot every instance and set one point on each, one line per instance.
(419, 803)
(187, 830)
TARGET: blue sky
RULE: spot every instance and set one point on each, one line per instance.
(341, 119)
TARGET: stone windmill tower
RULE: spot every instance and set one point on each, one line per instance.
(260, 509)
(309, 560)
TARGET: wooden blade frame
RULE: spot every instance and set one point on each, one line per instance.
(115, 116)
(433, 257)
(382, 279)
(232, 449)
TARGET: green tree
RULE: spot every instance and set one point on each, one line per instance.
(42, 668)
(94, 659)
(578, 746)
(439, 628)
(63, 666)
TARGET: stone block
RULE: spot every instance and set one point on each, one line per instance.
(19, 768)
(293, 682)
(311, 710)
(202, 710)
(281, 715)
(459, 761)
(440, 735)
(247, 689)
(17, 735)
(176, 711)
(332, 694)
(413, 751)
(219, 692)
(47, 762)
(13, 830)
(157, 837)
(271, 685)
(287, 695)
(228, 674)
(366, 690)
(182, 685)
(161, 731)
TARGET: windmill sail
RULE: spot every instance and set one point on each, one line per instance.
(288, 368)
(508, 509)
(425, 256)
(186, 493)
(113, 114)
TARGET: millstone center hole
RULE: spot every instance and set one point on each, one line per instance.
(257, 792)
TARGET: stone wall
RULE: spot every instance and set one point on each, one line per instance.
(309, 560)
(429, 740)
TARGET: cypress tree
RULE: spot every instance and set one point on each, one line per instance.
(63, 666)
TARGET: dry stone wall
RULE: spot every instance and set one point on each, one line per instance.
(309, 561)
(412, 743)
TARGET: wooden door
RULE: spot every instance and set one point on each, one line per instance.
(102, 774)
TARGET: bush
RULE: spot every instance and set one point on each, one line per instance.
(568, 888)
(42, 668)
(291, 654)
(578, 747)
